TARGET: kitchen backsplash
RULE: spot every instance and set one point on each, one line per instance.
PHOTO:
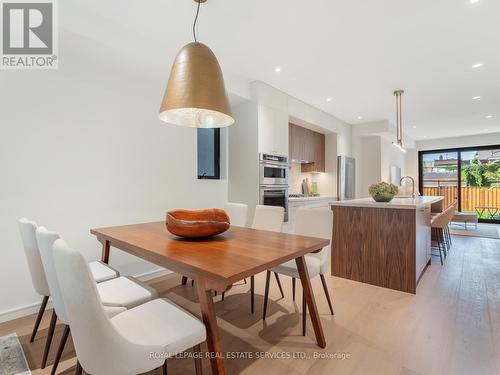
(296, 176)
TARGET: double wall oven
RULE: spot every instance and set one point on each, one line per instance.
(274, 181)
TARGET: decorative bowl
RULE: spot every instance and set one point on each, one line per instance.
(383, 197)
(383, 192)
(197, 223)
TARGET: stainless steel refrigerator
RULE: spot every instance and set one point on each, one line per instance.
(346, 177)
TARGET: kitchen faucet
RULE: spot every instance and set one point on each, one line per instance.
(412, 184)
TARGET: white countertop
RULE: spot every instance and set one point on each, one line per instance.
(406, 203)
(312, 199)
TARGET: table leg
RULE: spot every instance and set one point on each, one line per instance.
(213, 336)
(105, 252)
(311, 302)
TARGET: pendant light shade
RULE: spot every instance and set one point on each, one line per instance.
(195, 94)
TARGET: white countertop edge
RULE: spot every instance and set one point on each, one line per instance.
(402, 203)
(312, 199)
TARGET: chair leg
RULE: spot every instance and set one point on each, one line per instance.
(78, 368)
(304, 313)
(60, 350)
(50, 334)
(443, 242)
(439, 246)
(39, 317)
(279, 284)
(252, 293)
(266, 294)
(197, 360)
(192, 282)
(165, 367)
(223, 295)
(323, 281)
(293, 288)
(245, 280)
(184, 280)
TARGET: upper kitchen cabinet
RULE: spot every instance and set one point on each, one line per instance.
(307, 147)
(273, 131)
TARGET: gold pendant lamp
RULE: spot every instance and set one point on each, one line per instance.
(196, 94)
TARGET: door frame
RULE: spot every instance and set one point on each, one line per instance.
(459, 151)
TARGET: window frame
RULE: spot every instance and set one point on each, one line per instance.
(216, 175)
(459, 151)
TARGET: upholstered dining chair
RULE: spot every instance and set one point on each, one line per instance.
(237, 213)
(312, 222)
(27, 229)
(135, 341)
(119, 294)
(267, 218)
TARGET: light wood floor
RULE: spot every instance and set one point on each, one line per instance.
(452, 325)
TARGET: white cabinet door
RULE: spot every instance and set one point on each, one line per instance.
(273, 131)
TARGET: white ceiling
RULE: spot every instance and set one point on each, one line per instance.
(353, 51)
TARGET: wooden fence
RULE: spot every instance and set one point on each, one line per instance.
(472, 196)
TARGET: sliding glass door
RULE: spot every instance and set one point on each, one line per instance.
(439, 175)
(468, 176)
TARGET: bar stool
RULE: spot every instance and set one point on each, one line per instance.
(440, 231)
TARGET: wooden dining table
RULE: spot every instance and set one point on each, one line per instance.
(216, 263)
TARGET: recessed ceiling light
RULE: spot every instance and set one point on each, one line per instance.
(414, 126)
(478, 65)
(425, 136)
(328, 99)
(476, 97)
(360, 118)
(277, 69)
(489, 116)
(474, 1)
(486, 130)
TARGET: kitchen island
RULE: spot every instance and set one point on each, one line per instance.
(385, 244)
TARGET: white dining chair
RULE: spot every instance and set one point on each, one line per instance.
(119, 294)
(237, 213)
(27, 229)
(266, 218)
(135, 341)
(313, 222)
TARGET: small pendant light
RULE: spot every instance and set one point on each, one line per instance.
(399, 121)
(195, 94)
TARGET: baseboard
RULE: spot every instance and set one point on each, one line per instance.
(153, 274)
(33, 308)
(22, 311)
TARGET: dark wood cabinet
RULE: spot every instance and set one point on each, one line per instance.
(307, 146)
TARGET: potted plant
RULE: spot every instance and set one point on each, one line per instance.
(383, 192)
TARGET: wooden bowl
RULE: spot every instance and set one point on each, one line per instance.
(197, 223)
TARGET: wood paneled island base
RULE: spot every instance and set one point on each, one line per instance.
(383, 244)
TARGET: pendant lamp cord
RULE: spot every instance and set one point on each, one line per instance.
(196, 21)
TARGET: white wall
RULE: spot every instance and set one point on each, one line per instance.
(243, 160)
(375, 155)
(366, 151)
(389, 156)
(82, 147)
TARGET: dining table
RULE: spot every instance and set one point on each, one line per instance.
(216, 263)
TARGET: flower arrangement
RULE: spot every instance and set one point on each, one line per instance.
(383, 192)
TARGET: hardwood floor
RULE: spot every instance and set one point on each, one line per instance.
(451, 326)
